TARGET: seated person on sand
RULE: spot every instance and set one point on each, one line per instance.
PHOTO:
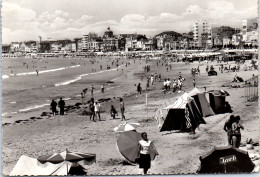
(235, 132)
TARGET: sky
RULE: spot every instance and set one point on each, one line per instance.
(24, 20)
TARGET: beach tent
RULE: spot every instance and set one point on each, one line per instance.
(27, 166)
(202, 102)
(217, 100)
(226, 159)
(183, 115)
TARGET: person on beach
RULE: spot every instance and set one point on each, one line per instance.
(122, 108)
(144, 153)
(227, 128)
(53, 107)
(61, 105)
(174, 85)
(165, 85)
(92, 110)
(102, 88)
(113, 112)
(194, 83)
(168, 84)
(37, 72)
(92, 90)
(139, 89)
(235, 132)
(97, 110)
(179, 84)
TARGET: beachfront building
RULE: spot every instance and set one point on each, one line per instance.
(186, 41)
(6, 48)
(250, 31)
(137, 42)
(73, 47)
(15, 47)
(168, 40)
(110, 42)
(237, 40)
(150, 44)
(28, 47)
(202, 33)
(56, 47)
(222, 36)
(95, 44)
(227, 41)
(84, 43)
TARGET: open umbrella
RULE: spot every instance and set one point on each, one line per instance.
(226, 160)
(219, 92)
(128, 145)
(126, 127)
(74, 157)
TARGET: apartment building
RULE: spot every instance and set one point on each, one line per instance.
(202, 33)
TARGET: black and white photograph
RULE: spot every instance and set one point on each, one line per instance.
(129, 87)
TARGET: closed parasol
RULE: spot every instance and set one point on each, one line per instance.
(128, 145)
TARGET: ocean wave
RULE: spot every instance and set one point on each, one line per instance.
(4, 114)
(33, 107)
(40, 72)
(5, 77)
(77, 78)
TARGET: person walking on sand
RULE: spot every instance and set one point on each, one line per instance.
(122, 108)
(235, 132)
(194, 83)
(61, 105)
(139, 89)
(144, 153)
(102, 88)
(92, 90)
(97, 110)
(53, 107)
(92, 109)
(37, 72)
(227, 128)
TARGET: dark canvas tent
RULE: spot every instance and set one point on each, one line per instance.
(226, 160)
(217, 99)
(202, 102)
(183, 115)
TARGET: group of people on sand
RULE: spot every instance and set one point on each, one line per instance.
(95, 110)
(233, 126)
(176, 84)
(61, 105)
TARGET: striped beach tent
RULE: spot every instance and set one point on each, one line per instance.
(202, 102)
(183, 115)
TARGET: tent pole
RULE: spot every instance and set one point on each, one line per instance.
(67, 167)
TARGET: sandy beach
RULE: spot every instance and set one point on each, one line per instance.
(179, 153)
